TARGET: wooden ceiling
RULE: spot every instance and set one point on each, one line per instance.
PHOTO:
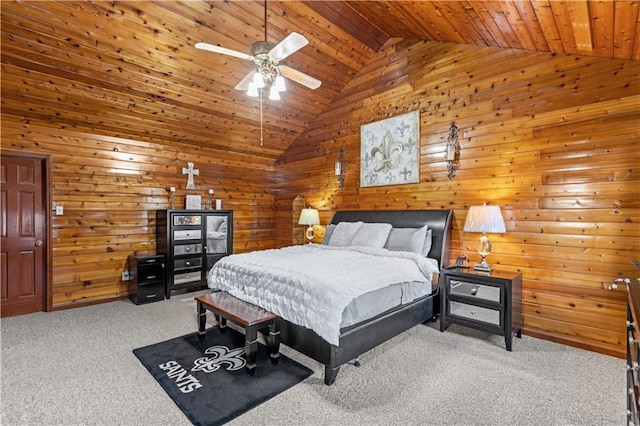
(130, 69)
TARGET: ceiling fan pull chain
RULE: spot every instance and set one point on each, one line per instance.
(261, 141)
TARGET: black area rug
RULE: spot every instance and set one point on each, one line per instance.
(207, 379)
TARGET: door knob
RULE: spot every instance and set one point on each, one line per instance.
(38, 243)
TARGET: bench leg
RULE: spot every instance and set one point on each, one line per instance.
(250, 348)
(274, 343)
(202, 320)
(222, 323)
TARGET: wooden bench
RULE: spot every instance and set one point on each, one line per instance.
(251, 317)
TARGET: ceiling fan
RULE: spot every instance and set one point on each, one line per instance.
(267, 56)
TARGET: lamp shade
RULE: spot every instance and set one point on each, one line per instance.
(485, 219)
(309, 216)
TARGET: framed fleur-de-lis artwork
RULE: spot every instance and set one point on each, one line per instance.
(389, 151)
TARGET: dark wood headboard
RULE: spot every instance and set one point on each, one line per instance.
(439, 221)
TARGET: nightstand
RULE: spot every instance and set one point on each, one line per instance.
(490, 302)
(148, 283)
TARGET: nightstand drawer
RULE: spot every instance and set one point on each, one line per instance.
(475, 313)
(150, 292)
(478, 291)
(148, 273)
(150, 260)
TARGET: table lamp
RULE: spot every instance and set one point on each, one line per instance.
(485, 219)
(309, 216)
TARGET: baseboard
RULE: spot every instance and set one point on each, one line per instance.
(616, 351)
(87, 302)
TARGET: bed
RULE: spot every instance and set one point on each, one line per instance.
(336, 341)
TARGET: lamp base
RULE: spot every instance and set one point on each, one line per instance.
(310, 233)
(483, 266)
(479, 268)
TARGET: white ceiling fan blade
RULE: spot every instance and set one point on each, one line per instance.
(244, 83)
(300, 77)
(290, 44)
(217, 49)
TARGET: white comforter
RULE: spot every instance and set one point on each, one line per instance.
(310, 285)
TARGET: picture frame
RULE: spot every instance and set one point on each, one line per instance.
(390, 151)
(193, 202)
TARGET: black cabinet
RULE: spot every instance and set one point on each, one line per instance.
(490, 302)
(148, 281)
(193, 241)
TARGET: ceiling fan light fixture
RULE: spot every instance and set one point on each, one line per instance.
(258, 80)
(252, 90)
(279, 83)
(274, 94)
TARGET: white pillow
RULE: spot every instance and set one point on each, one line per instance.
(344, 233)
(372, 235)
(427, 243)
(408, 239)
(328, 231)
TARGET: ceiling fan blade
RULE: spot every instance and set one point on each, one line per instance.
(300, 77)
(290, 44)
(244, 83)
(217, 49)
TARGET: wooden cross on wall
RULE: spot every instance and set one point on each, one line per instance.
(189, 170)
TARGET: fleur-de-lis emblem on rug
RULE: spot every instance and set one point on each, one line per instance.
(221, 355)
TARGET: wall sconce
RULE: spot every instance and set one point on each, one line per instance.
(453, 149)
(309, 216)
(172, 193)
(338, 168)
(487, 220)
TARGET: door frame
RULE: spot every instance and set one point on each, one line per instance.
(46, 189)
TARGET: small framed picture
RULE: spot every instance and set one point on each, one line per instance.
(193, 202)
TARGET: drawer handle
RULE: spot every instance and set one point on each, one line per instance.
(187, 263)
(150, 277)
(634, 367)
(188, 248)
(149, 296)
(473, 312)
(630, 325)
(632, 340)
(151, 261)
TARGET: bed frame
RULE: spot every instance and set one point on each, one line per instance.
(362, 337)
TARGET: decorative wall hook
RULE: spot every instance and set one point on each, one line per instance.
(453, 150)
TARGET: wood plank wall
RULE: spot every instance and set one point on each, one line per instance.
(551, 139)
(110, 188)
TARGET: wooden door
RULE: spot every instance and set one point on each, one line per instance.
(23, 231)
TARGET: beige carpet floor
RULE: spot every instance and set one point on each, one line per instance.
(75, 367)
